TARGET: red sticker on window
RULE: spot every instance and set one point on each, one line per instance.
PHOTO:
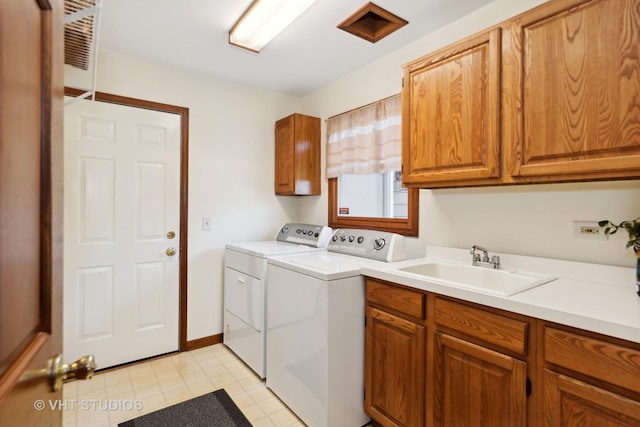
(343, 211)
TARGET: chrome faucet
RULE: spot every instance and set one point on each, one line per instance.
(484, 261)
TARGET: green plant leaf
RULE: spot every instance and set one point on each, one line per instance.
(632, 227)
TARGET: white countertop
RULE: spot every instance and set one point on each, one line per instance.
(594, 297)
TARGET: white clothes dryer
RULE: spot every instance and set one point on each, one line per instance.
(315, 326)
(245, 283)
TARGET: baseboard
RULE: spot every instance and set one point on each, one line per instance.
(204, 342)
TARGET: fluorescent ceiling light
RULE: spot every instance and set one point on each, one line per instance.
(264, 20)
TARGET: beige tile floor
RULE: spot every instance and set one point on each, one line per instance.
(115, 396)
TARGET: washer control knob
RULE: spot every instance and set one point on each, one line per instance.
(360, 239)
(298, 231)
(379, 244)
(343, 238)
(334, 238)
(351, 239)
(284, 230)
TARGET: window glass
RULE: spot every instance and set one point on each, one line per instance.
(377, 195)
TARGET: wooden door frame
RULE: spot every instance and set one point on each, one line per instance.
(183, 112)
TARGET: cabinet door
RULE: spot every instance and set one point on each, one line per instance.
(284, 173)
(451, 113)
(475, 386)
(297, 170)
(572, 89)
(394, 370)
(572, 403)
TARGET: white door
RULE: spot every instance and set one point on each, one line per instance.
(122, 216)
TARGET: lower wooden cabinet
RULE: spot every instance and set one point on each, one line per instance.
(572, 403)
(425, 364)
(577, 397)
(436, 361)
(475, 386)
(395, 369)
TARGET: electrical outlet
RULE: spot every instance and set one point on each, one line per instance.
(588, 230)
(206, 223)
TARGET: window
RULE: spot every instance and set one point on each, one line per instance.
(363, 162)
(407, 226)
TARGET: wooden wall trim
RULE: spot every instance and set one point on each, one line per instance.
(204, 342)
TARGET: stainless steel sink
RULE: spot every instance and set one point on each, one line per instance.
(498, 282)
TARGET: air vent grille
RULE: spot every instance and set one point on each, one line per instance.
(372, 23)
(81, 29)
(78, 35)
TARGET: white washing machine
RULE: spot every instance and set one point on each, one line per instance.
(245, 283)
(315, 326)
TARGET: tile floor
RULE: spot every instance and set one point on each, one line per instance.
(114, 396)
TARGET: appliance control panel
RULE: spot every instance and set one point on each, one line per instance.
(378, 245)
(305, 234)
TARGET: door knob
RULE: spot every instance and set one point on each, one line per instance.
(170, 251)
(57, 372)
(171, 235)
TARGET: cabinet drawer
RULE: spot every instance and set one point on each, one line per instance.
(504, 332)
(596, 358)
(412, 303)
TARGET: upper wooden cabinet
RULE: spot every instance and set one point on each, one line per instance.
(297, 167)
(568, 110)
(451, 110)
(572, 90)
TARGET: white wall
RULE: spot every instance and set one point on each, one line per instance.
(231, 166)
(532, 220)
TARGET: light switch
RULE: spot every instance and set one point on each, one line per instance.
(206, 223)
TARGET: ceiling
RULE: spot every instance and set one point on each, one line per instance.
(307, 55)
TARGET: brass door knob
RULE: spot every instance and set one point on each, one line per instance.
(57, 372)
(170, 251)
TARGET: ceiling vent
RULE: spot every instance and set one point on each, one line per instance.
(81, 25)
(372, 23)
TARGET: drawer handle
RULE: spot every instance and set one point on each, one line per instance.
(241, 280)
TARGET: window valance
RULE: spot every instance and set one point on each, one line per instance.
(365, 140)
